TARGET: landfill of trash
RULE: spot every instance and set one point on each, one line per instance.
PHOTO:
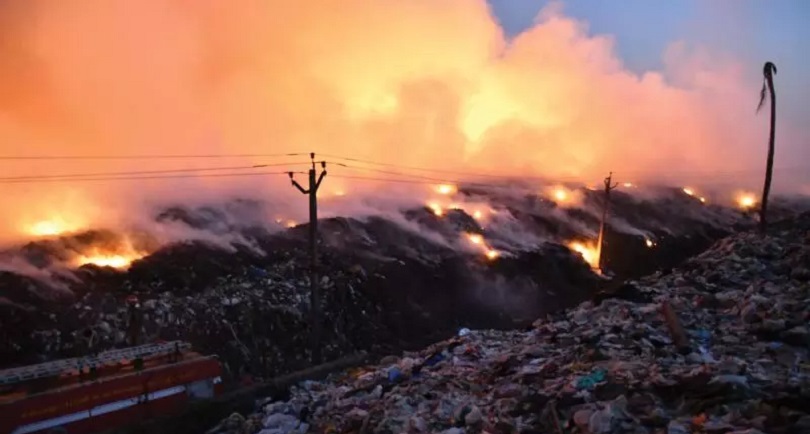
(718, 345)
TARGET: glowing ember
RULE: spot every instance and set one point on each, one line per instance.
(628, 185)
(702, 199)
(291, 224)
(588, 252)
(114, 261)
(478, 215)
(649, 242)
(560, 194)
(492, 254)
(446, 189)
(746, 201)
(689, 191)
(475, 238)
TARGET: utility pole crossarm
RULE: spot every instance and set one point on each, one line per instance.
(320, 178)
(297, 185)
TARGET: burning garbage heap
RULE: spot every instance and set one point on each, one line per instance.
(386, 285)
(253, 314)
(735, 360)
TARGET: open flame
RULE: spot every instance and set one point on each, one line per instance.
(560, 194)
(436, 208)
(121, 257)
(46, 229)
(650, 243)
(588, 251)
(478, 240)
(746, 201)
(563, 196)
(114, 261)
(478, 215)
(446, 189)
(51, 228)
(691, 192)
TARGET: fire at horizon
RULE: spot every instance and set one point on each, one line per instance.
(436, 105)
(113, 261)
(51, 228)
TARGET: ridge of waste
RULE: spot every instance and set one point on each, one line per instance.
(735, 360)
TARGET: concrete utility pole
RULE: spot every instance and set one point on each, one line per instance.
(609, 186)
(314, 282)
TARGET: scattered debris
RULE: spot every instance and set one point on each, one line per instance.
(616, 367)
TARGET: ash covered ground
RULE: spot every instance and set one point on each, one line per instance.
(389, 282)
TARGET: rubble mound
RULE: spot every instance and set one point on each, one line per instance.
(734, 361)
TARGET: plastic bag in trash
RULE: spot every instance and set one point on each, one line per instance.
(591, 380)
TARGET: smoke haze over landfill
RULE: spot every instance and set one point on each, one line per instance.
(421, 83)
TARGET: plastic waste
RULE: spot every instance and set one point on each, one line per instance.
(591, 380)
(395, 375)
(464, 332)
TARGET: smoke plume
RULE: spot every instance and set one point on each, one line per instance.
(416, 83)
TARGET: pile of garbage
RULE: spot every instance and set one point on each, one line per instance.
(719, 345)
(256, 320)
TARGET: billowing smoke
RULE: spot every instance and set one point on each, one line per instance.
(416, 83)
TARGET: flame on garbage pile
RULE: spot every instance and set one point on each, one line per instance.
(489, 96)
(746, 201)
(102, 260)
(478, 215)
(691, 192)
(563, 196)
(588, 251)
(560, 194)
(436, 208)
(478, 241)
(446, 189)
(650, 243)
(47, 228)
(52, 227)
(120, 257)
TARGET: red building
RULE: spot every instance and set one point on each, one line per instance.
(110, 390)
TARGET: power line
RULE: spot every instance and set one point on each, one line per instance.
(403, 181)
(388, 172)
(426, 169)
(559, 179)
(143, 157)
(144, 172)
(127, 178)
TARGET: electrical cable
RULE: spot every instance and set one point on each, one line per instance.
(126, 178)
(144, 157)
(145, 172)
